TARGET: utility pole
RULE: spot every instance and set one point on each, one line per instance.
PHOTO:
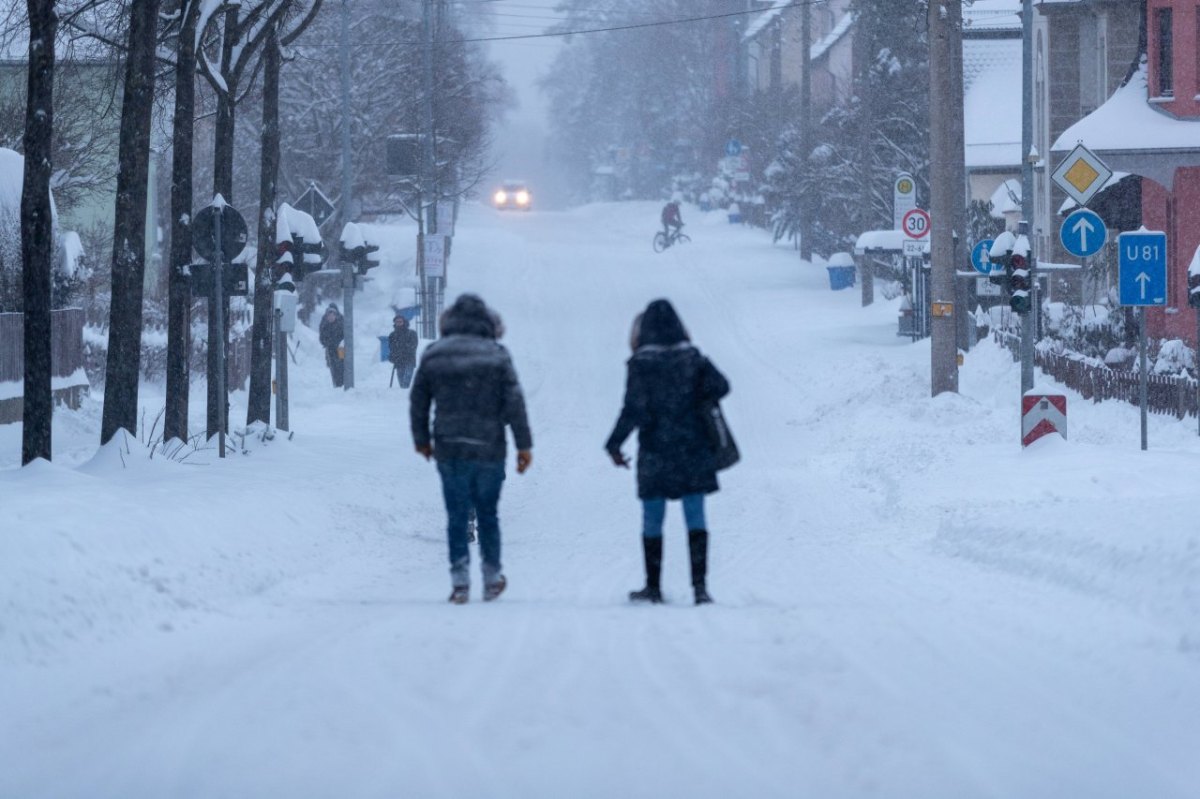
(347, 189)
(1028, 320)
(946, 187)
(806, 205)
(429, 169)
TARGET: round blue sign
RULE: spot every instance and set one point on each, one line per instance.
(979, 256)
(733, 147)
(1083, 233)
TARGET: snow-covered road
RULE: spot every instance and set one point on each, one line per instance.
(894, 616)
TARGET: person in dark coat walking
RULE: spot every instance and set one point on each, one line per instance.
(332, 331)
(667, 384)
(469, 377)
(402, 350)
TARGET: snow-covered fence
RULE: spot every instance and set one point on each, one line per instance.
(1167, 394)
(68, 380)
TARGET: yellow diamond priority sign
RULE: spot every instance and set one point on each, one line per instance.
(1081, 174)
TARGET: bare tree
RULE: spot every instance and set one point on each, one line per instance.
(258, 406)
(129, 253)
(37, 232)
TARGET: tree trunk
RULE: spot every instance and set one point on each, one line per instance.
(179, 298)
(259, 401)
(223, 185)
(37, 232)
(129, 226)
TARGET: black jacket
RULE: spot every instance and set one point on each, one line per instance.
(470, 379)
(402, 347)
(332, 331)
(664, 391)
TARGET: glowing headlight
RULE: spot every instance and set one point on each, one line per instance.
(501, 197)
(522, 198)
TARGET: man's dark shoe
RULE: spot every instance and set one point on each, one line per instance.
(493, 590)
(460, 595)
(702, 597)
(647, 594)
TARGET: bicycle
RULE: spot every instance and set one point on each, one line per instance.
(662, 241)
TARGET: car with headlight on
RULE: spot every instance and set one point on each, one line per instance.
(512, 196)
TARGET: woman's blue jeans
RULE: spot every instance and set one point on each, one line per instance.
(655, 510)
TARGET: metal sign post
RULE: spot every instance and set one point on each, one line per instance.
(219, 299)
(1142, 277)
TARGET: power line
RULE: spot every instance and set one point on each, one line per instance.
(611, 29)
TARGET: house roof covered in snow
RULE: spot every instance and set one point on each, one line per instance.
(992, 103)
(1131, 134)
(992, 15)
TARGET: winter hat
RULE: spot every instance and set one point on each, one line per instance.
(468, 316)
(332, 307)
(660, 326)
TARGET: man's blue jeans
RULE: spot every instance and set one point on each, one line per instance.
(655, 510)
(465, 485)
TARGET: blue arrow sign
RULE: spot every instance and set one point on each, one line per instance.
(1143, 267)
(979, 257)
(1083, 233)
(733, 147)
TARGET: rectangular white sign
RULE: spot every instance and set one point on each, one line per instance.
(915, 247)
(435, 255)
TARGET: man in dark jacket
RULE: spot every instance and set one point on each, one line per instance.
(470, 379)
(668, 384)
(402, 350)
(332, 331)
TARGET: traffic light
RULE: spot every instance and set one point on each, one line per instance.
(369, 259)
(1017, 271)
(298, 258)
(1000, 253)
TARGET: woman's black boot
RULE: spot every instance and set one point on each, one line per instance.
(652, 550)
(698, 548)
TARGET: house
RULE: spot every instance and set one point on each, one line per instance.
(1150, 127)
(992, 46)
(774, 51)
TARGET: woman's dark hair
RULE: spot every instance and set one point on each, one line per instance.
(661, 326)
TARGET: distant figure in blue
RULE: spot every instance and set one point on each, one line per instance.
(667, 385)
(402, 350)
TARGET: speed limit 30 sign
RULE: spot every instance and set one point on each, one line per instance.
(915, 223)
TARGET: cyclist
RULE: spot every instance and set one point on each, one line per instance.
(672, 221)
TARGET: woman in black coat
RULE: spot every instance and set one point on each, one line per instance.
(668, 384)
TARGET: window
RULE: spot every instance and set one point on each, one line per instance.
(1166, 71)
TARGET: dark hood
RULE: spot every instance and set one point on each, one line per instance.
(661, 326)
(468, 316)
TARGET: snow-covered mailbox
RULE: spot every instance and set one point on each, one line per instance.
(877, 252)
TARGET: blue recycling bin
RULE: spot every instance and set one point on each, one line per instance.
(840, 277)
(385, 349)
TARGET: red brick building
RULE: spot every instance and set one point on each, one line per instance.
(1150, 127)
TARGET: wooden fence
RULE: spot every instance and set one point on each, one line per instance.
(66, 359)
(1176, 396)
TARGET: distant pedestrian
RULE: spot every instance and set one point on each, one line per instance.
(332, 331)
(402, 350)
(469, 377)
(668, 384)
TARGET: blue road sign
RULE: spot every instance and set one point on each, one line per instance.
(979, 257)
(1143, 267)
(733, 147)
(1083, 233)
